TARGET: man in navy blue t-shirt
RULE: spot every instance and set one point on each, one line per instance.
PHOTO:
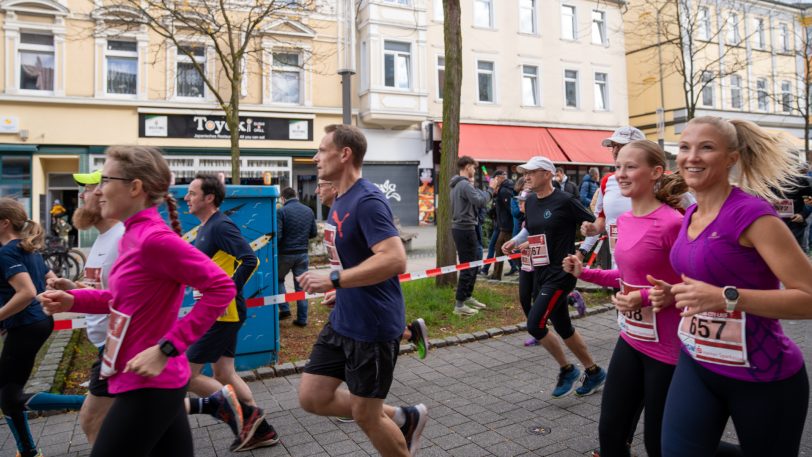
(359, 345)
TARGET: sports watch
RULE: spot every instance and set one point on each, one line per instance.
(731, 295)
(167, 348)
(335, 278)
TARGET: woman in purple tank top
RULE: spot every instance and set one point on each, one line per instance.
(733, 253)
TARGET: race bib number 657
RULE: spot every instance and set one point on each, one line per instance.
(716, 338)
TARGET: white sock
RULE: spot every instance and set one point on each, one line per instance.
(400, 417)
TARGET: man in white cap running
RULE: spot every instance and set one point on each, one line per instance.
(610, 203)
(552, 217)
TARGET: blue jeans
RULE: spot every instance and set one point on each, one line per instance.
(491, 248)
(297, 263)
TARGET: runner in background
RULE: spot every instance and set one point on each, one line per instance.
(647, 350)
(552, 217)
(144, 357)
(734, 253)
(23, 324)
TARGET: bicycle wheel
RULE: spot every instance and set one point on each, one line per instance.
(56, 262)
(73, 270)
(80, 258)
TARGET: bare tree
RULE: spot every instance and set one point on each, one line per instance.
(691, 43)
(446, 254)
(232, 28)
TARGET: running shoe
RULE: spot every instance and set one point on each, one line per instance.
(592, 383)
(420, 337)
(269, 438)
(577, 300)
(38, 454)
(345, 420)
(474, 303)
(228, 410)
(252, 420)
(464, 311)
(566, 382)
(416, 418)
(532, 341)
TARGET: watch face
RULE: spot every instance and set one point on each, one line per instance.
(333, 275)
(731, 294)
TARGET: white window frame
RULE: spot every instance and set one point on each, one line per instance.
(492, 73)
(599, 26)
(533, 11)
(703, 31)
(39, 48)
(733, 35)
(439, 67)
(759, 35)
(569, 13)
(766, 95)
(126, 54)
(707, 89)
(783, 37)
(535, 78)
(490, 10)
(576, 81)
(181, 57)
(736, 90)
(596, 87)
(395, 55)
(288, 69)
(786, 97)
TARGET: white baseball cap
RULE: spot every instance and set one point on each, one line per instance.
(537, 163)
(624, 135)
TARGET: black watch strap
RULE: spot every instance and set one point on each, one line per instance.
(335, 278)
(168, 348)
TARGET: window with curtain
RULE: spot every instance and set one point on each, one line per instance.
(484, 71)
(568, 23)
(189, 80)
(571, 88)
(36, 58)
(122, 67)
(601, 92)
(397, 64)
(286, 78)
(530, 85)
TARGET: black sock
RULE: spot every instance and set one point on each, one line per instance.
(209, 405)
(594, 369)
(567, 368)
(195, 405)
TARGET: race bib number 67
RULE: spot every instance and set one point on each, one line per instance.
(716, 338)
(539, 256)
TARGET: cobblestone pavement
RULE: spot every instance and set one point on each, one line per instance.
(483, 399)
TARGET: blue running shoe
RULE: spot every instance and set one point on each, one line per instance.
(416, 418)
(592, 383)
(566, 382)
(577, 300)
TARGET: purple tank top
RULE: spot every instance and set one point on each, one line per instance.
(717, 258)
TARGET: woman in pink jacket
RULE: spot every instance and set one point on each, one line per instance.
(144, 351)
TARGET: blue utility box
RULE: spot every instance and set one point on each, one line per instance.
(253, 210)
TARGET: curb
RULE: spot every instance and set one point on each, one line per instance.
(297, 367)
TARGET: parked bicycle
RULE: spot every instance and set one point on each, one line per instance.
(65, 262)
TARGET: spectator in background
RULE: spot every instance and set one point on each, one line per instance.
(498, 175)
(296, 225)
(794, 199)
(518, 219)
(504, 219)
(565, 183)
(589, 186)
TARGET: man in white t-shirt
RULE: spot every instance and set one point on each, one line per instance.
(97, 269)
(610, 203)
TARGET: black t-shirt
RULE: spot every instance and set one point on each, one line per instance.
(557, 216)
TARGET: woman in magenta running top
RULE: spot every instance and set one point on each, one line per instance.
(734, 253)
(646, 353)
(144, 351)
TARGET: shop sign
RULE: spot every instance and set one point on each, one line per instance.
(214, 127)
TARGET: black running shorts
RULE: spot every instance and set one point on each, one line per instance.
(219, 341)
(98, 386)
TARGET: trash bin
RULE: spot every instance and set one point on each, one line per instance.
(253, 210)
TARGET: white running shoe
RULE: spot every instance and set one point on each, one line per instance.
(464, 311)
(474, 303)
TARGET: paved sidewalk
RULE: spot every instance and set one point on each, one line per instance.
(483, 399)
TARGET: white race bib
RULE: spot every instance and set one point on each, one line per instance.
(640, 324)
(116, 332)
(330, 247)
(612, 237)
(527, 264)
(785, 208)
(539, 256)
(716, 338)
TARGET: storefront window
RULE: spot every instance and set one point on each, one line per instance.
(16, 167)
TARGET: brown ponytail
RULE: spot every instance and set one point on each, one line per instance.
(31, 233)
(172, 207)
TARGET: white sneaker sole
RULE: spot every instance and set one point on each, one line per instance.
(465, 313)
(418, 430)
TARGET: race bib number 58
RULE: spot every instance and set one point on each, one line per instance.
(716, 338)
(640, 324)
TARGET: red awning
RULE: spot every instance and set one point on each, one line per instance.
(516, 144)
(584, 146)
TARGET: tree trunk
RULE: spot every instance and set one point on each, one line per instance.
(233, 122)
(446, 252)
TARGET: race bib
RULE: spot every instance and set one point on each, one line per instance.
(116, 332)
(527, 264)
(640, 324)
(612, 237)
(539, 257)
(330, 247)
(785, 208)
(92, 278)
(716, 338)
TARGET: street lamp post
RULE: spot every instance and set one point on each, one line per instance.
(661, 109)
(346, 55)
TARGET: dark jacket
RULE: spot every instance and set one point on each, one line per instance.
(571, 188)
(588, 188)
(466, 201)
(501, 202)
(296, 224)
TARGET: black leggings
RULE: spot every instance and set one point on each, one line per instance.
(633, 378)
(768, 416)
(146, 422)
(550, 304)
(526, 296)
(16, 363)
